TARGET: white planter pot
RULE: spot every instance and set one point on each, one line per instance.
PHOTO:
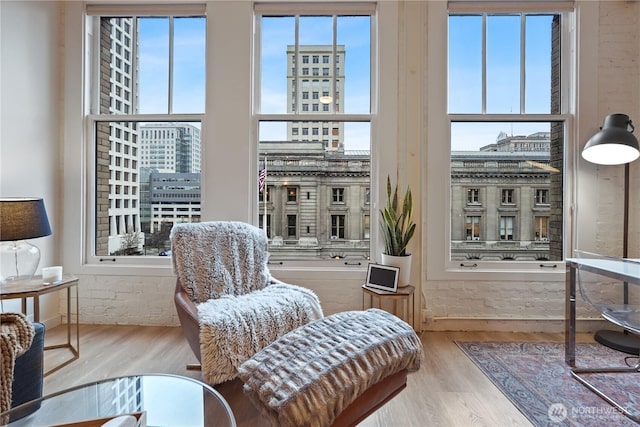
(403, 263)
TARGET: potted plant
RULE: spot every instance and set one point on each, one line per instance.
(396, 222)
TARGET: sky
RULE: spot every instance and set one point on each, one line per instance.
(465, 76)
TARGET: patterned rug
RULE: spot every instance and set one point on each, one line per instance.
(538, 382)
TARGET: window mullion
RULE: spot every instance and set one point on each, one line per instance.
(170, 71)
(523, 43)
(484, 63)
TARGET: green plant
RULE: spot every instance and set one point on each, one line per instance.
(397, 221)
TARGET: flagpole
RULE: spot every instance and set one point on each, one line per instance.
(264, 197)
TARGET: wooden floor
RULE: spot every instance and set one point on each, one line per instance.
(448, 390)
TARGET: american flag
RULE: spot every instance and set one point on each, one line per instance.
(262, 177)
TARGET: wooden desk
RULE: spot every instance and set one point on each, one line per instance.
(34, 288)
(404, 294)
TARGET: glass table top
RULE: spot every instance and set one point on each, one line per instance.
(167, 400)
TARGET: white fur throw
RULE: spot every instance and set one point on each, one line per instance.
(223, 267)
(310, 375)
(219, 258)
(232, 329)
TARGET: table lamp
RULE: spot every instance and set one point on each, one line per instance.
(20, 219)
(615, 144)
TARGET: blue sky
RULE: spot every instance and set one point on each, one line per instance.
(189, 65)
(503, 65)
(503, 75)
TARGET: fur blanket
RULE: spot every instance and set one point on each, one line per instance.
(223, 267)
(310, 375)
(219, 258)
(232, 329)
(16, 336)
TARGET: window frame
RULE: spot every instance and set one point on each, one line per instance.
(93, 117)
(438, 263)
(319, 9)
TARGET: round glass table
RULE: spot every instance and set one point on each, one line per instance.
(166, 400)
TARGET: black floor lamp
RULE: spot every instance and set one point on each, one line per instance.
(615, 144)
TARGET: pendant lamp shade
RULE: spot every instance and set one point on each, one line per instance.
(614, 144)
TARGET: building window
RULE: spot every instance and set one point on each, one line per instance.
(304, 166)
(338, 195)
(507, 126)
(292, 194)
(262, 193)
(292, 225)
(541, 228)
(337, 226)
(156, 157)
(507, 196)
(542, 196)
(506, 227)
(261, 224)
(473, 228)
(473, 196)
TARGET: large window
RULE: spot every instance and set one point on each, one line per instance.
(314, 129)
(507, 126)
(145, 127)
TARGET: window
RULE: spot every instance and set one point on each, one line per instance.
(292, 194)
(507, 127)
(473, 228)
(291, 226)
(313, 166)
(473, 195)
(541, 226)
(338, 195)
(542, 196)
(506, 228)
(155, 155)
(261, 224)
(337, 226)
(507, 196)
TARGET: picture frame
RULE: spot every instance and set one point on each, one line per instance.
(382, 277)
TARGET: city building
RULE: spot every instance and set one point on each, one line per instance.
(315, 85)
(317, 201)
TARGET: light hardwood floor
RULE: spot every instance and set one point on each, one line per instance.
(448, 390)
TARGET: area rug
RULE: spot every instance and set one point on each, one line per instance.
(534, 376)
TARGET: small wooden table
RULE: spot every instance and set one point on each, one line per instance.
(34, 288)
(404, 294)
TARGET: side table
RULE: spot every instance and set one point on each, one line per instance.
(34, 288)
(404, 295)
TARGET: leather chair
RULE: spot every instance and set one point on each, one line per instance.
(210, 280)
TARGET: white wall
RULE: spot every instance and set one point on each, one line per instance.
(608, 83)
(30, 120)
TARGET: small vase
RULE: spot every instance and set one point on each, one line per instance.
(403, 263)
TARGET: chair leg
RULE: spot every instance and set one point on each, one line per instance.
(575, 373)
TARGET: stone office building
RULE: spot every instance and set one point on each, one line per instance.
(317, 201)
(501, 200)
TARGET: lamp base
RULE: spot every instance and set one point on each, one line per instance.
(619, 340)
(18, 260)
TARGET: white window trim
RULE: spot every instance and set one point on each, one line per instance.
(438, 227)
(356, 8)
(224, 121)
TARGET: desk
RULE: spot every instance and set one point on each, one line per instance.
(404, 294)
(624, 270)
(34, 288)
(168, 400)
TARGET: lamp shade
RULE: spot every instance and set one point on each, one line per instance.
(23, 218)
(614, 144)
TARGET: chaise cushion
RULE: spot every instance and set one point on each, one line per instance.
(311, 374)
